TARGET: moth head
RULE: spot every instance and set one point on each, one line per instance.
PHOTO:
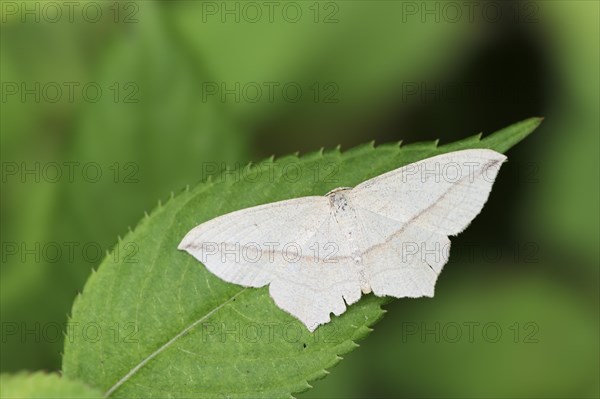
(337, 190)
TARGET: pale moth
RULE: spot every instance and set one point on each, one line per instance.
(319, 254)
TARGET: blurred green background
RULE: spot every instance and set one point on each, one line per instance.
(128, 90)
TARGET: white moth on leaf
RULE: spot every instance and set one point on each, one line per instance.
(319, 254)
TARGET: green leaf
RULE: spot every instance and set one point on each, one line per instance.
(160, 324)
(42, 385)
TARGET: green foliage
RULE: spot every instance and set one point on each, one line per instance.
(165, 326)
(538, 57)
(44, 386)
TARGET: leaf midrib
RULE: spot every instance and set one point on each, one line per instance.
(146, 360)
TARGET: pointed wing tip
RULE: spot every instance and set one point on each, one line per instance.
(499, 157)
(184, 244)
(496, 156)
